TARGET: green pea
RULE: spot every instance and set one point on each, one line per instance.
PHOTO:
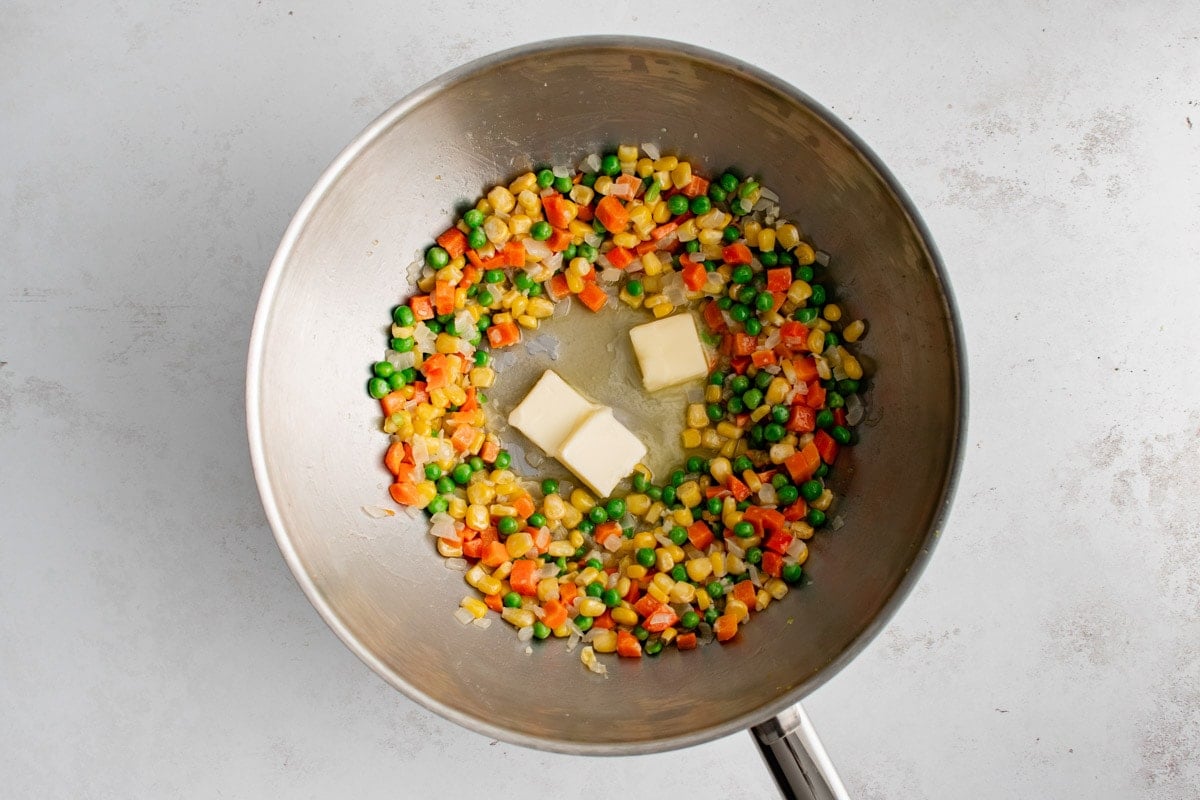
(433, 472)
(615, 508)
(634, 288)
(677, 204)
(493, 276)
(728, 182)
(654, 647)
(773, 432)
(841, 434)
(753, 327)
(549, 486)
(764, 302)
(739, 312)
(403, 345)
(741, 464)
(476, 238)
(512, 600)
(588, 252)
(781, 414)
(589, 179)
(695, 464)
(611, 598)
(562, 184)
(383, 369)
(610, 165)
(787, 495)
(378, 388)
(731, 234)
(805, 315)
(714, 505)
(816, 517)
(522, 281)
(437, 505)
(461, 474)
(570, 253)
(811, 490)
(654, 493)
(482, 359)
(700, 205)
(848, 386)
(403, 316)
(541, 230)
(627, 532)
(484, 323)
(678, 573)
(746, 189)
(742, 273)
(594, 563)
(677, 478)
(503, 459)
(822, 471)
(437, 257)
(824, 418)
(598, 515)
(640, 633)
(540, 630)
(473, 218)
(594, 589)
(586, 526)
(537, 520)
(545, 178)
(818, 295)
(645, 556)
(714, 412)
(769, 259)
(803, 274)
(756, 435)
(668, 495)
(735, 405)
(754, 556)
(743, 530)
(689, 620)
(752, 398)
(715, 590)
(640, 482)
(678, 535)
(716, 193)
(724, 302)
(831, 340)
(535, 290)
(583, 623)
(792, 573)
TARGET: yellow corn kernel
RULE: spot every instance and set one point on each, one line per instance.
(502, 200)
(499, 319)
(654, 513)
(658, 593)
(518, 544)
(776, 391)
(571, 517)
(575, 537)
(651, 264)
(703, 601)
(639, 214)
(603, 185)
(523, 183)
(712, 394)
(588, 575)
(562, 631)
(681, 176)
(547, 589)
(781, 452)
(750, 229)
(656, 300)
(519, 224)
(760, 412)
(738, 609)
(799, 292)
(481, 494)
(734, 565)
(804, 254)
(662, 310)
(661, 212)
(503, 571)
(623, 584)
(490, 585)
(816, 340)
(688, 493)
(626, 240)
(540, 307)
(687, 231)
(591, 607)
(627, 152)
(574, 283)
(663, 561)
(447, 550)
(720, 468)
(851, 366)
(477, 517)
(625, 616)
(644, 539)
(718, 564)
(788, 236)
(662, 581)
(578, 228)
(822, 324)
(552, 507)
(582, 194)
(476, 606)
(729, 431)
(709, 236)
(823, 502)
(751, 479)
(449, 273)
(446, 344)
(426, 491)
(456, 507)
(482, 377)
(683, 517)
(644, 168)
(766, 239)
(530, 203)
(852, 333)
(518, 617)
(635, 572)
(698, 569)
(582, 500)
(560, 549)
(776, 588)
(637, 504)
(762, 599)
(682, 592)
(605, 642)
(528, 322)
(802, 556)
(665, 163)
(500, 509)
(832, 312)
(690, 438)
(669, 635)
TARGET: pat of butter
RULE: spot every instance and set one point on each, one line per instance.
(550, 411)
(601, 451)
(668, 351)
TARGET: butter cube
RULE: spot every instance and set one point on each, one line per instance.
(550, 411)
(668, 351)
(601, 451)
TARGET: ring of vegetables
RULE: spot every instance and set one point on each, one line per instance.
(685, 560)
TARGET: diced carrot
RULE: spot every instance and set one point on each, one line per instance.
(436, 371)
(662, 618)
(407, 472)
(802, 419)
(523, 577)
(715, 491)
(725, 627)
(591, 275)
(504, 334)
(567, 592)
(713, 318)
(585, 214)
(558, 210)
(700, 535)
(422, 307)
(557, 287)
(494, 554)
(454, 242)
(826, 446)
(740, 490)
(405, 493)
(555, 615)
(461, 438)
(696, 187)
(645, 247)
(795, 512)
(606, 530)
(472, 548)
(593, 297)
(744, 344)
(489, 535)
(612, 214)
(394, 457)
(495, 602)
(744, 591)
(489, 452)
(816, 395)
(392, 402)
(777, 300)
(686, 641)
(632, 595)
(793, 335)
(633, 182)
(514, 253)
(443, 297)
(604, 621)
(559, 240)
(736, 254)
(627, 645)
(772, 564)
(694, 275)
(524, 506)
(779, 280)
(646, 606)
(474, 258)
(619, 257)
(495, 262)
(471, 403)
(806, 369)
(664, 230)
(739, 363)
(802, 465)
(764, 520)
(839, 416)
(762, 358)
(471, 275)
(779, 542)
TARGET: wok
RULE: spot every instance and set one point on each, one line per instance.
(315, 441)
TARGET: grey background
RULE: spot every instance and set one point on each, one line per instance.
(152, 642)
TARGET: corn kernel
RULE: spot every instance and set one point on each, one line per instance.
(663, 561)
(456, 507)
(637, 504)
(518, 544)
(528, 322)
(799, 292)
(661, 212)
(822, 324)
(788, 236)
(851, 366)
(776, 588)
(690, 438)
(571, 517)
(729, 431)
(681, 176)
(823, 502)
(644, 539)
(530, 203)
(698, 569)
(658, 593)
(518, 617)
(552, 507)
(605, 642)
(720, 468)
(718, 565)
(477, 517)
(447, 550)
(757, 414)
(644, 168)
(547, 589)
(635, 572)
(802, 555)
(474, 605)
(738, 609)
(603, 185)
(669, 635)
(523, 183)
(501, 200)
(709, 236)
(832, 312)
(683, 518)
(750, 229)
(734, 565)
(776, 391)
(688, 493)
(582, 500)
(663, 310)
(766, 239)
(687, 231)
(816, 341)
(519, 224)
(804, 254)
(625, 616)
(854, 331)
(712, 394)
(560, 549)
(574, 283)
(490, 585)
(703, 601)
(654, 513)
(626, 240)
(591, 607)
(665, 163)
(751, 479)
(587, 576)
(762, 599)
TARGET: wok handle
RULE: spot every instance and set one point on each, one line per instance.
(796, 758)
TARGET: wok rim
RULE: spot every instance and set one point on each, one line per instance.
(330, 176)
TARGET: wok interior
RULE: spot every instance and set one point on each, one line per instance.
(382, 585)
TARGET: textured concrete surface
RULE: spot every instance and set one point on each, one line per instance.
(152, 642)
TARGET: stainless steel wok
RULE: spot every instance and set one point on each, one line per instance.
(315, 441)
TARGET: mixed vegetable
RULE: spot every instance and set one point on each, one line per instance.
(681, 559)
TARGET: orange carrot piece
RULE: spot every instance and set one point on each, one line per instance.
(454, 242)
(514, 253)
(779, 280)
(559, 240)
(802, 465)
(605, 621)
(627, 644)
(558, 210)
(619, 257)
(744, 344)
(740, 490)
(436, 372)
(725, 627)
(762, 358)
(494, 554)
(474, 258)
(593, 297)
(504, 334)
(736, 254)
(687, 641)
(664, 230)
(394, 457)
(557, 287)
(495, 602)
(662, 618)
(694, 275)
(696, 187)
(422, 307)
(744, 591)
(612, 215)
(404, 493)
(806, 369)
(700, 535)
(472, 548)
(489, 452)
(606, 530)
(556, 614)
(567, 592)
(524, 506)
(541, 538)
(646, 606)
(461, 438)
(392, 402)
(523, 577)
(443, 297)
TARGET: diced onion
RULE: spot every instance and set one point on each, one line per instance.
(464, 616)
(537, 250)
(837, 522)
(441, 525)
(561, 171)
(456, 564)
(611, 275)
(378, 512)
(612, 544)
(822, 258)
(401, 360)
(591, 163)
(755, 577)
(425, 339)
(855, 410)
(796, 548)
(525, 634)
(651, 150)
(483, 622)
(768, 495)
